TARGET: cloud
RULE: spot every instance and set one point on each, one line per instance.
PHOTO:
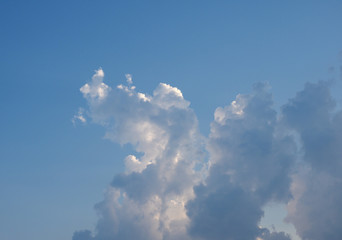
(166, 96)
(82, 235)
(129, 79)
(267, 235)
(147, 201)
(96, 90)
(249, 145)
(225, 212)
(316, 208)
(182, 185)
(79, 117)
(250, 166)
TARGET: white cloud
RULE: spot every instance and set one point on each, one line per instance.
(166, 96)
(148, 200)
(79, 117)
(133, 164)
(129, 79)
(96, 90)
(256, 156)
(234, 110)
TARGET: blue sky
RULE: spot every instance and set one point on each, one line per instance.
(53, 172)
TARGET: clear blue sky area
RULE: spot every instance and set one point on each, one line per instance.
(52, 172)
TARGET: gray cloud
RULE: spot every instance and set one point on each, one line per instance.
(225, 212)
(250, 165)
(316, 208)
(267, 235)
(82, 235)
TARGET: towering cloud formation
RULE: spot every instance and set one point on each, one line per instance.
(250, 165)
(173, 190)
(148, 200)
(316, 208)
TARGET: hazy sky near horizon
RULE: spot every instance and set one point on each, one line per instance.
(71, 139)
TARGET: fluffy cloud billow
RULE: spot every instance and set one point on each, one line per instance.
(250, 165)
(316, 210)
(148, 200)
(184, 185)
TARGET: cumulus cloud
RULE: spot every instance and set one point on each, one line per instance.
(316, 208)
(183, 185)
(96, 90)
(147, 201)
(250, 165)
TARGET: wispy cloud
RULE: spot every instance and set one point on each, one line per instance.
(79, 117)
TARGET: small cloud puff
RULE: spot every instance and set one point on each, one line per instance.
(79, 117)
(96, 90)
(167, 96)
(234, 110)
(129, 79)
